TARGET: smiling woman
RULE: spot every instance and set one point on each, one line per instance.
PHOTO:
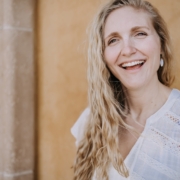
(132, 47)
(131, 128)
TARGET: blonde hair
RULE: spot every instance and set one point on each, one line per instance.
(107, 97)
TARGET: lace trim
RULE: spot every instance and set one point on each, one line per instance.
(165, 142)
(159, 167)
(173, 118)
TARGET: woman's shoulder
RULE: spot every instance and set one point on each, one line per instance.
(176, 103)
(78, 128)
(176, 93)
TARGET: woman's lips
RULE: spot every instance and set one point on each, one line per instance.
(132, 64)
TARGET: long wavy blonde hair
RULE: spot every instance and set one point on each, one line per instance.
(107, 98)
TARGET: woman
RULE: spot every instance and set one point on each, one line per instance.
(131, 129)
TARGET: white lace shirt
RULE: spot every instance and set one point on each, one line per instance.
(156, 154)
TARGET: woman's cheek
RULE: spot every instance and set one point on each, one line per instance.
(111, 54)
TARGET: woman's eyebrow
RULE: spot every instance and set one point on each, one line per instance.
(133, 29)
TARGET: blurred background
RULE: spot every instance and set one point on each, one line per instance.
(43, 86)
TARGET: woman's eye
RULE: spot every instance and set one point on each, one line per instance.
(112, 41)
(141, 34)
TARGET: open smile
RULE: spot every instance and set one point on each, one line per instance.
(132, 64)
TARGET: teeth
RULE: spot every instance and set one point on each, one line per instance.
(133, 63)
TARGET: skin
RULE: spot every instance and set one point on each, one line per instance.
(130, 36)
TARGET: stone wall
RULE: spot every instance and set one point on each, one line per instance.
(16, 89)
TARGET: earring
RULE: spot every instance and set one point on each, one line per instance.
(161, 62)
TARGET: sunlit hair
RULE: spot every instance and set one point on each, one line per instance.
(107, 98)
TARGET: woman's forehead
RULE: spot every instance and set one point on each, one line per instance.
(125, 18)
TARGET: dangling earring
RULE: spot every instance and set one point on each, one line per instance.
(161, 62)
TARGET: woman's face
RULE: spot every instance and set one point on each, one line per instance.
(132, 47)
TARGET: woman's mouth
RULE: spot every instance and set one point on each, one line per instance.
(132, 65)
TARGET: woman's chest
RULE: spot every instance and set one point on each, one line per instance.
(153, 156)
(128, 139)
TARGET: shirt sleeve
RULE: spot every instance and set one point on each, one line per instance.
(78, 128)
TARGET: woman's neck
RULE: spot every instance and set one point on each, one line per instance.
(146, 101)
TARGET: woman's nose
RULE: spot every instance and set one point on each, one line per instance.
(128, 48)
